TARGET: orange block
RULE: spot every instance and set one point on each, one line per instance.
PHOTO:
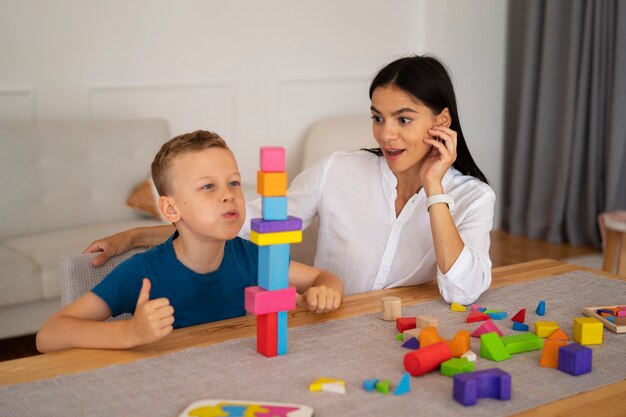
(558, 334)
(550, 353)
(271, 184)
(458, 345)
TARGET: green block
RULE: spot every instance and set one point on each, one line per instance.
(491, 347)
(455, 366)
(399, 337)
(523, 342)
(383, 386)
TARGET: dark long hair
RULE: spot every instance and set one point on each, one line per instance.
(426, 79)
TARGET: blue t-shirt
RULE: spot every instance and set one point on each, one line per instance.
(196, 298)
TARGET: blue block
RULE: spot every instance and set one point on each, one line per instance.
(497, 315)
(482, 309)
(274, 267)
(274, 208)
(404, 385)
(234, 410)
(610, 318)
(541, 308)
(521, 327)
(575, 359)
(281, 327)
(370, 384)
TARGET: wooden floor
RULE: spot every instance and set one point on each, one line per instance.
(505, 250)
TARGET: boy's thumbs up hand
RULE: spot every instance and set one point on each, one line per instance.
(153, 319)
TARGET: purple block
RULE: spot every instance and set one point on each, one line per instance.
(575, 359)
(412, 343)
(490, 383)
(269, 226)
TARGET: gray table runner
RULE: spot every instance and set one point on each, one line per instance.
(353, 350)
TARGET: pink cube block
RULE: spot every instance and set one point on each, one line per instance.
(260, 301)
(272, 159)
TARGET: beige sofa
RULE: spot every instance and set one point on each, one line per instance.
(63, 184)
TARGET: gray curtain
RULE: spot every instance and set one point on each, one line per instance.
(565, 118)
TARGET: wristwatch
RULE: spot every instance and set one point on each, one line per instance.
(440, 198)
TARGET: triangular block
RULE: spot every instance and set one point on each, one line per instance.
(475, 316)
(558, 334)
(370, 384)
(520, 316)
(492, 348)
(486, 327)
(404, 385)
(541, 308)
(412, 343)
(520, 327)
(383, 386)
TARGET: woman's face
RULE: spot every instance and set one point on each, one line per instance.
(399, 122)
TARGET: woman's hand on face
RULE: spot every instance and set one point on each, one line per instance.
(441, 157)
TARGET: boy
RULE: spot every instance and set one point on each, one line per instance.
(198, 275)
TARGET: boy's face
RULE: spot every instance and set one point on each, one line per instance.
(206, 189)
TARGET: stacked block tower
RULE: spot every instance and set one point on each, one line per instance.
(273, 233)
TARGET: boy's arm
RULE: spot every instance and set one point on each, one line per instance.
(82, 324)
(318, 290)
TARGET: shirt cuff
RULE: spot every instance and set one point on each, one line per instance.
(461, 283)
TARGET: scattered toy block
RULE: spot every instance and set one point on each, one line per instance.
(469, 355)
(271, 184)
(458, 345)
(545, 328)
(475, 307)
(274, 267)
(558, 334)
(486, 327)
(611, 319)
(281, 333)
(541, 308)
(412, 343)
(575, 359)
(482, 309)
(492, 348)
(457, 307)
(400, 337)
(455, 366)
(475, 316)
(267, 334)
(404, 385)
(272, 158)
(383, 386)
(490, 383)
(274, 208)
(408, 334)
(328, 385)
(587, 331)
(496, 314)
(520, 316)
(260, 301)
(426, 359)
(405, 323)
(260, 225)
(523, 342)
(520, 327)
(276, 238)
(370, 384)
(550, 353)
(390, 308)
(426, 321)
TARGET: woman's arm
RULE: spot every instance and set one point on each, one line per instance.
(128, 239)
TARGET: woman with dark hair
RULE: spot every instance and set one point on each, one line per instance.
(414, 209)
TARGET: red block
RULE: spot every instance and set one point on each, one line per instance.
(426, 359)
(267, 334)
(406, 323)
(520, 316)
(475, 316)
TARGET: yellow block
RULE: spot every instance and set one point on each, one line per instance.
(317, 384)
(271, 184)
(457, 307)
(587, 331)
(545, 328)
(276, 238)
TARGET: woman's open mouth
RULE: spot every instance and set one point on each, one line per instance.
(393, 153)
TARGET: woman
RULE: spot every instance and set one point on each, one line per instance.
(415, 208)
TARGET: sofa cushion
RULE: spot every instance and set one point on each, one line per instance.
(19, 278)
(46, 249)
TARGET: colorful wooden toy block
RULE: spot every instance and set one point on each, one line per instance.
(587, 331)
(272, 159)
(267, 334)
(475, 316)
(541, 308)
(426, 359)
(575, 359)
(492, 348)
(520, 327)
(424, 321)
(545, 328)
(274, 267)
(458, 345)
(490, 383)
(523, 342)
(370, 384)
(412, 343)
(260, 301)
(550, 353)
(400, 337)
(558, 334)
(336, 386)
(383, 386)
(496, 314)
(457, 307)
(405, 323)
(520, 316)
(616, 323)
(455, 366)
(276, 238)
(271, 184)
(408, 334)
(486, 327)
(390, 308)
(281, 333)
(272, 226)
(469, 355)
(274, 208)
(404, 385)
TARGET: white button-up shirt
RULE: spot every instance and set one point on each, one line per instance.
(363, 242)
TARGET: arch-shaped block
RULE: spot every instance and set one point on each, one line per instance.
(489, 383)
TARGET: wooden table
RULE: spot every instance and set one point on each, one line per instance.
(605, 401)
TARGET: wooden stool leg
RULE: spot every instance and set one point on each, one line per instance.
(621, 265)
(610, 250)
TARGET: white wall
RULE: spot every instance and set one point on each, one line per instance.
(257, 72)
